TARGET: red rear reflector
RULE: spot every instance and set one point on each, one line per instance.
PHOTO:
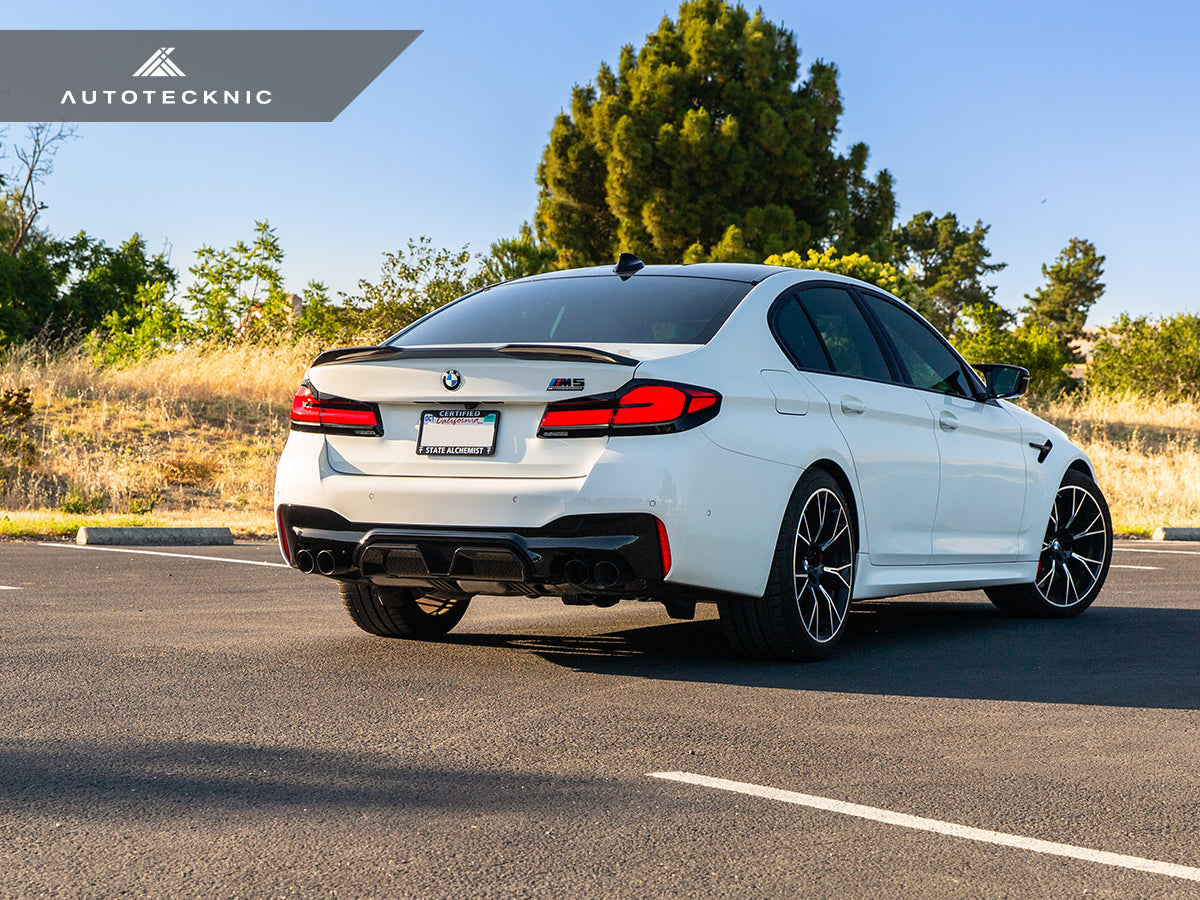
(281, 530)
(664, 547)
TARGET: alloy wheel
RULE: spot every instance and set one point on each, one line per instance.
(1074, 550)
(823, 565)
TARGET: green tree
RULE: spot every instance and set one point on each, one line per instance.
(326, 322)
(984, 333)
(238, 292)
(412, 282)
(1072, 286)
(948, 261)
(57, 291)
(862, 267)
(99, 280)
(28, 292)
(517, 257)
(705, 143)
(153, 324)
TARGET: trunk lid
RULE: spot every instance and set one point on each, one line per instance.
(410, 386)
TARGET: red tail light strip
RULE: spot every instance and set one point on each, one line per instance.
(640, 407)
(334, 414)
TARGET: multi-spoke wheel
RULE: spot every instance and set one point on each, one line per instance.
(1075, 556)
(398, 612)
(804, 610)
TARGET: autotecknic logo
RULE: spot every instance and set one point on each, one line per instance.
(232, 76)
(159, 64)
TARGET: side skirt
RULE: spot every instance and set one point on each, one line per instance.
(890, 581)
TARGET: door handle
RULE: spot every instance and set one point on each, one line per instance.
(947, 421)
(852, 406)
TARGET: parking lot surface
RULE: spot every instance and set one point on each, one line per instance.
(205, 721)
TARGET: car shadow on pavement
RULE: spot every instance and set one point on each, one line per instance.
(1109, 656)
(213, 779)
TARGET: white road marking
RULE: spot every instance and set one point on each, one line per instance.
(948, 828)
(5, 587)
(1148, 550)
(1144, 568)
(224, 559)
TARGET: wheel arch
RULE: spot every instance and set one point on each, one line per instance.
(1082, 467)
(838, 474)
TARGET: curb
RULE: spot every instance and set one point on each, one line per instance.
(155, 537)
(1176, 534)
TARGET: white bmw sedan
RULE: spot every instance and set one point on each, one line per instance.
(779, 442)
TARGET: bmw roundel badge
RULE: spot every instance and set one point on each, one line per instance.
(452, 380)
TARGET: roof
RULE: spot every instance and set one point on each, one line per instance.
(749, 273)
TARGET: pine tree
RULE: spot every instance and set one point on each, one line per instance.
(1072, 286)
(704, 144)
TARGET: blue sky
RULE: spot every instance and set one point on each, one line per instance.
(1047, 120)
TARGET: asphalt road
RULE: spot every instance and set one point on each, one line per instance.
(172, 726)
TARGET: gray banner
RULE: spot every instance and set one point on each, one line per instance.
(189, 76)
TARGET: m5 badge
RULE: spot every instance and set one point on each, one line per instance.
(565, 384)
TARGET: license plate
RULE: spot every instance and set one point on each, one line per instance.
(458, 432)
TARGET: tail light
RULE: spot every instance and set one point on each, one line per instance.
(640, 407)
(335, 415)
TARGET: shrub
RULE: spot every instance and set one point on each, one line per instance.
(1151, 358)
(984, 335)
(857, 265)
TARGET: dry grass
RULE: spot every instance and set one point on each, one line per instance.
(190, 438)
(1146, 453)
(193, 438)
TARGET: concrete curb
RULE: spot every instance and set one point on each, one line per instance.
(155, 537)
(1176, 534)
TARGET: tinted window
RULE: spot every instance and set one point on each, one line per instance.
(603, 309)
(929, 362)
(844, 332)
(796, 334)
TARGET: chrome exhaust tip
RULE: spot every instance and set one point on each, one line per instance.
(304, 561)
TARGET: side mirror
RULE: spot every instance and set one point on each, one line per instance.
(1004, 382)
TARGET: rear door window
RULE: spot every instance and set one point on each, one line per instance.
(845, 334)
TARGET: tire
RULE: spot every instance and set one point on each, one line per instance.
(803, 613)
(1076, 553)
(399, 613)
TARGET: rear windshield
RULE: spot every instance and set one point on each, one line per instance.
(601, 309)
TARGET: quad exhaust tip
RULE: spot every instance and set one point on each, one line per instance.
(576, 572)
(604, 574)
(326, 562)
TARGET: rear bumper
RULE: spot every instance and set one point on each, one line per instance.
(603, 554)
(721, 509)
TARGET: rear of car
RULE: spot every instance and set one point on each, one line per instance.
(539, 437)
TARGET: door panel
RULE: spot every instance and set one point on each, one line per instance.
(982, 498)
(890, 431)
